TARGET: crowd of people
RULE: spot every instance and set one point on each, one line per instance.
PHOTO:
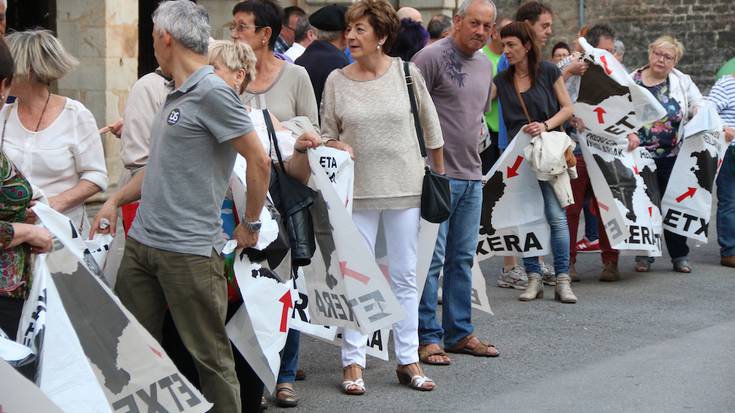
(338, 78)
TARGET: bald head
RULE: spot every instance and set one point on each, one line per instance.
(410, 13)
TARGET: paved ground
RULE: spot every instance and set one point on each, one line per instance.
(657, 342)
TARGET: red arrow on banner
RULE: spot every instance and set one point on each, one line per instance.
(635, 170)
(513, 170)
(287, 304)
(603, 59)
(650, 211)
(156, 352)
(600, 112)
(347, 272)
(603, 206)
(688, 194)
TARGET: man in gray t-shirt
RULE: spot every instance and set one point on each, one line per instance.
(172, 256)
(459, 78)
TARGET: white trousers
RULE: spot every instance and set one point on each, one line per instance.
(401, 229)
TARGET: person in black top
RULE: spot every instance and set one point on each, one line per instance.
(327, 52)
(542, 89)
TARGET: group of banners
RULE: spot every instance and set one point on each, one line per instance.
(88, 353)
(633, 209)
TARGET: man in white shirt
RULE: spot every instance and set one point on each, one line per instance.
(303, 36)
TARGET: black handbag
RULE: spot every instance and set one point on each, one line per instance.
(292, 199)
(436, 197)
(276, 251)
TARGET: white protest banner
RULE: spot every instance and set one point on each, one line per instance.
(267, 302)
(31, 328)
(89, 331)
(687, 203)
(513, 221)
(18, 394)
(301, 313)
(611, 106)
(376, 345)
(12, 351)
(344, 281)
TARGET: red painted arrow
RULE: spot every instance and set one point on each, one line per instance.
(347, 272)
(156, 352)
(688, 194)
(287, 304)
(635, 170)
(513, 170)
(600, 112)
(603, 59)
(650, 211)
(603, 206)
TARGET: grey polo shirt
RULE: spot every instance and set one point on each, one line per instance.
(189, 166)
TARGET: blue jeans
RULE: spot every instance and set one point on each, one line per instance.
(289, 358)
(726, 204)
(455, 252)
(557, 219)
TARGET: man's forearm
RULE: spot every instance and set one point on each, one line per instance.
(131, 191)
(257, 177)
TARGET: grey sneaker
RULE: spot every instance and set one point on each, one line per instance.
(548, 276)
(515, 278)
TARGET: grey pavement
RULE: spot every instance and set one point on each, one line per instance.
(656, 342)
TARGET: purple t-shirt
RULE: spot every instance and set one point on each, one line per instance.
(460, 88)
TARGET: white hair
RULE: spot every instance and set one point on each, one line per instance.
(186, 22)
(462, 10)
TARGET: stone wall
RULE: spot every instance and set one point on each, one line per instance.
(103, 35)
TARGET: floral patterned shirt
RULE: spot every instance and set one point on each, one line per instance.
(15, 196)
(660, 137)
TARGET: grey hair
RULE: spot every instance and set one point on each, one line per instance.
(328, 36)
(186, 22)
(619, 47)
(462, 10)
(39, 56)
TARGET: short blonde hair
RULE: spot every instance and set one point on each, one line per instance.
(235, 56)
(39, 56)
(667, 42)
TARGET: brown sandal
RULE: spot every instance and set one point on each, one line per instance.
(479, 350)
(353, 387)
(286, 395)
(415, 381)
(426, 352)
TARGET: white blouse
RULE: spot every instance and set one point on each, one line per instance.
(56, 158)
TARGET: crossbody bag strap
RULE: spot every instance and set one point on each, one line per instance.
(414, 110)
(272, 136)
(520, 99)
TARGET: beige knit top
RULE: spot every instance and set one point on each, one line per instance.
(374, 117)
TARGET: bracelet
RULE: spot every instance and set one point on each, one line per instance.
(546, 126)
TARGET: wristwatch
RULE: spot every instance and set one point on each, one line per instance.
(253, 226)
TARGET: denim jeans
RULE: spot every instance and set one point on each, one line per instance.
(289, 358)
(454, 252)
(726, 204)
(557, 219)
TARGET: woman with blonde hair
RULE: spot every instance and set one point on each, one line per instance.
(52, 139)
(366, 105)
(681, 98)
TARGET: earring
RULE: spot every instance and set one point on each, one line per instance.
(380, 45)
(262, 42)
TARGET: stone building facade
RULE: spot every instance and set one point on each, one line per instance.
(105, 35)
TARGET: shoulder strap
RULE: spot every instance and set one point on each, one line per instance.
(272, 136)
(414, 110)
(520, 99)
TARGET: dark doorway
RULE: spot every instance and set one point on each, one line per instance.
(146, 60)
(30, 14)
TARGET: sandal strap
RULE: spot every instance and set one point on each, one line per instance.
(419, 381)
(358, 384)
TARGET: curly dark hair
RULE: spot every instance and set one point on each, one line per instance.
(267, 14)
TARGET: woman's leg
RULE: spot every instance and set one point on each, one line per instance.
(354, 343)
(401, 234)
(557, 219)
(675, 243)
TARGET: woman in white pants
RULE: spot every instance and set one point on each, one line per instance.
(366, 105)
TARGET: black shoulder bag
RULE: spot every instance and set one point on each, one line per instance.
(436, 201)
(292, 199)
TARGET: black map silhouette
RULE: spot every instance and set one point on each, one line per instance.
(652, 189)
(97, 321)
(706, 169)
(264, 272)
(323, 233)
(621, 181)
(596, 86)
(491, 194)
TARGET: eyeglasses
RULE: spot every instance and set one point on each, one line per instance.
(667, 58)
(242, 27)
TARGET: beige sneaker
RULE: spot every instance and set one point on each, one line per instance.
(610, 272)
(563, 291)
(535, 288)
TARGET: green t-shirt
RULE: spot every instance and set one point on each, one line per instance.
(491, 118)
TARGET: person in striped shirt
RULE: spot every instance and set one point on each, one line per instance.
(723, 97)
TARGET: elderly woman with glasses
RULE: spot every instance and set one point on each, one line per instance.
(681, 99)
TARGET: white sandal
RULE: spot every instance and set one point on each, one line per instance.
(353, 387)
(416, 382)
